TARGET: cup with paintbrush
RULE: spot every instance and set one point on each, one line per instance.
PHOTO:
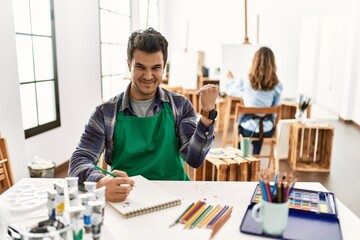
(301, 111)
(245, 145)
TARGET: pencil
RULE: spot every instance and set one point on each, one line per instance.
(178, 219)
(219, 224)
(223, 210)
(227, 212)
(208, 217)
(190, 212)
(104, 171)
(195, 216)
(201, 216)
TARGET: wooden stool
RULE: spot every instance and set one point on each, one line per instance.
(310, 147)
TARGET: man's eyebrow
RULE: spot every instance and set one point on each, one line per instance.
(139, 64)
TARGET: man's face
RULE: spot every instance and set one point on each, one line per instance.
(146, 71)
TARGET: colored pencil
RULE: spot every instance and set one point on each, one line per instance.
(208, 217)
(195, 216)
(227, 212)
(193, 211)
(182, 219)
(220, 224)
(178, 219)
(203, 214)
(217, 216)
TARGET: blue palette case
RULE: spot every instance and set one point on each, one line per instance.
(312, 215)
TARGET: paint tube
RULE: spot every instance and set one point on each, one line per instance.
(73, 198)
(85, 198)
(96, 218)
(51, 193)
(59, 200)
(100, 196)
(90, 186)
(72, 184)
(77, 222)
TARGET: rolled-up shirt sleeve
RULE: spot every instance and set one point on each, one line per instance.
(89, 149)
(195, 137)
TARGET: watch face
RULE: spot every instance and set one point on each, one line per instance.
(213, 114)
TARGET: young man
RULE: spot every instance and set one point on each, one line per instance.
(145, 130)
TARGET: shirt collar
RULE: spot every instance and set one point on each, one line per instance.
(160, 96)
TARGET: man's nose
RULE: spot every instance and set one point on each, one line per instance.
(148, 75)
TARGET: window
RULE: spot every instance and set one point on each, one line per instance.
(149, 14)
(36, 56)
(114, 34)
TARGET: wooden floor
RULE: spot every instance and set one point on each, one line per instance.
(344, 177)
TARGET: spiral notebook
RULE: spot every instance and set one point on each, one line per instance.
(145, 197)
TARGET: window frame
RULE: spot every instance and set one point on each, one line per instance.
(41, 128)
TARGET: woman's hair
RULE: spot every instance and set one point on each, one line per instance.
(263, 70)
(149, 41)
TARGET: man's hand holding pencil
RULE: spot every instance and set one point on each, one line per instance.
(118, 185)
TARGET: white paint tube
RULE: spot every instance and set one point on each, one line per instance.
(96, 218)
(77, 222)
(73, 190)
(59, 200)
(85, 198)
(90, 186)
(51, 193)
(100, 196)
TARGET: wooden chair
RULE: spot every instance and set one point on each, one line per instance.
(6, 176)
(240, 110)
(230, 104)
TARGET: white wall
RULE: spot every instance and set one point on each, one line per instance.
(10, 112)
(281, 27)
(78, 61)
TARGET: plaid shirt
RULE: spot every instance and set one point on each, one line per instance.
(194, 137)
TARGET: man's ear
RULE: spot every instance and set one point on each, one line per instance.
(129, 65)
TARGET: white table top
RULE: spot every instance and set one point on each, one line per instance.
(237, 194)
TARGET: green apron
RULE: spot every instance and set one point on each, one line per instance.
(148, 146)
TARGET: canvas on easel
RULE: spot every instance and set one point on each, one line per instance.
(236, 59)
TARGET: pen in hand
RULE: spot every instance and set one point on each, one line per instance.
(111, 174)
(104, 171)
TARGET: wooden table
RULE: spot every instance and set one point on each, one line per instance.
(226, 164)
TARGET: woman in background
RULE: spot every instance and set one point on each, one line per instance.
(262, 90)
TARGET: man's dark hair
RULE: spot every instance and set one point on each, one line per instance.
(149, 41)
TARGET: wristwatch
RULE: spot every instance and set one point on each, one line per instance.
(212, 114)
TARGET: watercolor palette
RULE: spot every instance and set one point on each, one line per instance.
(306, 200)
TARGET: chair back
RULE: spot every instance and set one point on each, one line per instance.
(241, 109)
(271, 141)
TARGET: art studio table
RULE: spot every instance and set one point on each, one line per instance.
(237, 194)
